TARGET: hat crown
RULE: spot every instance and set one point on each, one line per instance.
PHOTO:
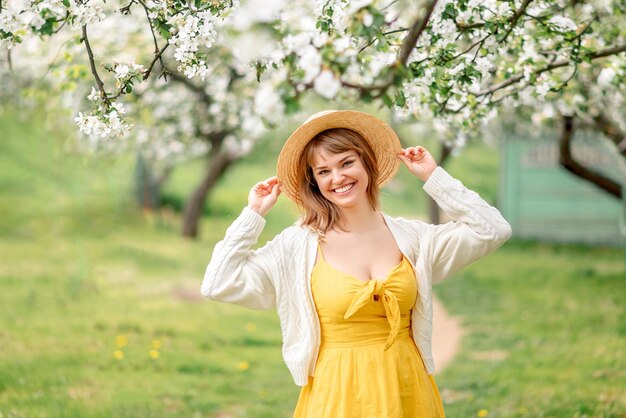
(319, 115)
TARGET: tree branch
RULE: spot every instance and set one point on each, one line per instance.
(178, 77)
(384, 34)
(92, 64)
(570, 164)
(414, 33)
(611, 130)
(556, 64)
(9, 60)
(513, 19)
(518, 13)
(156, 58)
(126, 9)
(158, 54)
(405, 50)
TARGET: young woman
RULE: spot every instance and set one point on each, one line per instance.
(353, 286)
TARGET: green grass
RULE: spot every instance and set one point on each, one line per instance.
(545, 333)
(81, 268)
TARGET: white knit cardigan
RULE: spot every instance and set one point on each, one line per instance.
(278, 274)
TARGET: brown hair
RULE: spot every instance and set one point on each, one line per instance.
(317, 212)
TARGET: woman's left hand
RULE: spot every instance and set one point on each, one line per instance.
(419, 161)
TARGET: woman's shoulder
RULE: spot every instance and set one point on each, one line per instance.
(403, 222)
(293, 234)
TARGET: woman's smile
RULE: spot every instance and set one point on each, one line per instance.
(344, 189)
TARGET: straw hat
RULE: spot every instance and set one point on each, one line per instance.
(381, 138)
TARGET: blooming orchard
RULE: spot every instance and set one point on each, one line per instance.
(454, 63)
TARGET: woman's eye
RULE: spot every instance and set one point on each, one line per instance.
(322, 172)
(348, 163)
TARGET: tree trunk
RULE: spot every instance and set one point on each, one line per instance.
(433, 208)
(218, 164)
(570, 164)
(148, 185)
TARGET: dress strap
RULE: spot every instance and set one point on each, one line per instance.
(319, 250)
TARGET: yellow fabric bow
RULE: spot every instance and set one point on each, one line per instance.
(390, 303)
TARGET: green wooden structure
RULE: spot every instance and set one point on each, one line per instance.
(543, 201)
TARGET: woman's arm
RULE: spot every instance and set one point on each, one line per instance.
(477, 228)
(237, 274)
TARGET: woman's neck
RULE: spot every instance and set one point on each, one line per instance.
(360, 218)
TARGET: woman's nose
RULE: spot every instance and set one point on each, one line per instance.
(337, 176)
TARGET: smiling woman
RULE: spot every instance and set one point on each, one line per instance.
(353, 286)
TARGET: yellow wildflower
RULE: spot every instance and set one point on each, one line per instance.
(156, 344)
(121, 341)
(118, 354)
(483, 413)
(250, 327)
(243, 365)
(154, 354)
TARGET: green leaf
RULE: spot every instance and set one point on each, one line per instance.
(449, 12)
(260, 69)
(47, 28)
(388, 101)
(417, 70)
(292, 105)
(400, 98)
(163, 28)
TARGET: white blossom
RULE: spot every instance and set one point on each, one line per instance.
(483, 65)
(310, 62)
(327, 85)
(268, 104)
(380, 61)
(562, 23)
(94, 95)
(84, 14)
(297, 43)
(368, 19)
(121, 71)
(606, 76)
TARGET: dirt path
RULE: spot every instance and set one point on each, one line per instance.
(447, 333)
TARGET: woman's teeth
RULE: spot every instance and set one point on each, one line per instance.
(344, 188)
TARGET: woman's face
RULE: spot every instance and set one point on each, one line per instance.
(341, 178)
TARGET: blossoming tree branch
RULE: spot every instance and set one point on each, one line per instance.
(229, 66)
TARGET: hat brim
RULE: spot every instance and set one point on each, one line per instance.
(380, 136)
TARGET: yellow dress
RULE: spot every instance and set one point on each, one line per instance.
(368, 365)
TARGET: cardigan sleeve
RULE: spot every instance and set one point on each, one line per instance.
(476, 229)
(236, 274)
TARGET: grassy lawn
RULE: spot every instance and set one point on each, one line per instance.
(101, 313)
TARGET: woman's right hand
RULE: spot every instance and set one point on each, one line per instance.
(264, 195)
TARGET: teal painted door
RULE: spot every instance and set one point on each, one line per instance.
(543, 201)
